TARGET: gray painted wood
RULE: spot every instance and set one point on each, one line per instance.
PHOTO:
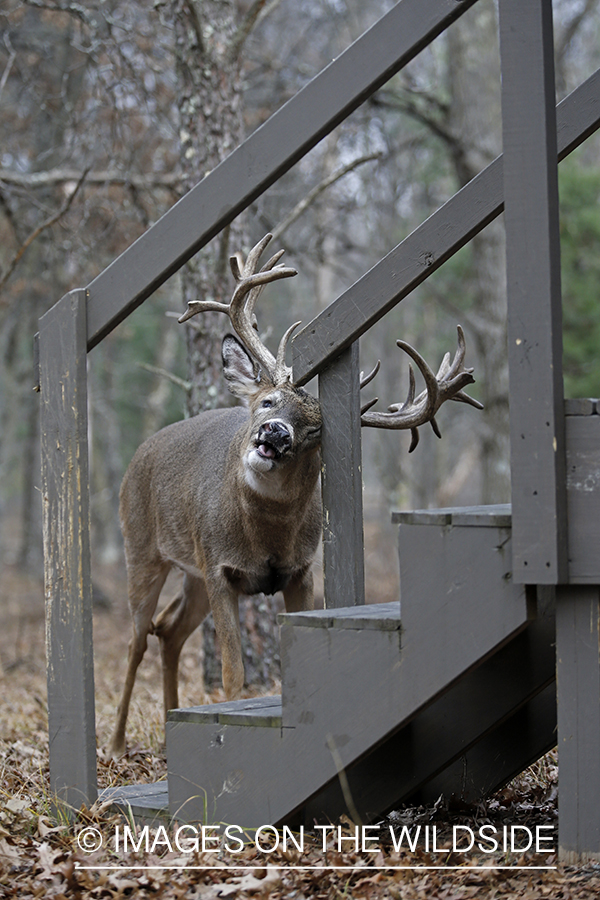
(578, 691)
(539, 502)
(514, 744)
(583, 406)
(266, 155)
(341, 482)
(65, 499)
(457, 596)
(417, 762)
(148, 804)
(376, 616)
(495, 516)
(263, 711)
(583, 498)
(429, 246)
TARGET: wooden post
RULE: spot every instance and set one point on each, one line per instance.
(65, 497)
(341, 476)
(539, 505)
(578, 688)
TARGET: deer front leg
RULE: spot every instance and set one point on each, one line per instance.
(144, 588)
(299, 592)
(225, 610)
(174, 626)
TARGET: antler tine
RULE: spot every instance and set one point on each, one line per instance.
(255, 293)
(282, 372)
(366, 379)
(459, 358)
(368, 405)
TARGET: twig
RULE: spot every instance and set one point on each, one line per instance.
(180, 382)
(109, 176)
(11, 58)
(300, 207)
(40, 228)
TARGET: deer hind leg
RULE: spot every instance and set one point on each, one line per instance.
(144, 587)
(174, 626)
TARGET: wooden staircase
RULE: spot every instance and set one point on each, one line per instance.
(378, 706)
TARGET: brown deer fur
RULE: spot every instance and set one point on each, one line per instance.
(203, 496)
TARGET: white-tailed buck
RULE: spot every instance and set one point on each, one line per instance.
(231, 496)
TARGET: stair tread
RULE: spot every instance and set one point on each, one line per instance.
(142, 799)
(257, 711)
(497, 515)
(375, 616)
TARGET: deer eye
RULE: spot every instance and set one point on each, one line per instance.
(267, 404)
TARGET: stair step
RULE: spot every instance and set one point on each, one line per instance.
(495, 516)
(374, 616)
(256, 711)
(145, 802)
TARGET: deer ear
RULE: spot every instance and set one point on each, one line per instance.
(242, 374)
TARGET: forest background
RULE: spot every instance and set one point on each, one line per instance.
(110, 111)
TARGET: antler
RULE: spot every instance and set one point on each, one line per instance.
(448, 384)
(240, 309)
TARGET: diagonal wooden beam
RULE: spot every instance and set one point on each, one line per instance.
(430, 245)
(261, 159)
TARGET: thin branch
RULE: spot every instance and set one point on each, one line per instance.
(246, 26)
(51, 220)
(390, 100)
(11, 58)
(196, 24)
(572, 28)
(73, 9)
(312, 195)
(62, 176)
(186, 385)
(464, 170)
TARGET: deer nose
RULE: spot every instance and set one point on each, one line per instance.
(276, 432)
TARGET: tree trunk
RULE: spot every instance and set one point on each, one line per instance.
(208, 41)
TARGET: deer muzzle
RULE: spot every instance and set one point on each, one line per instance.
(273, 439)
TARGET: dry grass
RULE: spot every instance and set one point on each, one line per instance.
(40, 859)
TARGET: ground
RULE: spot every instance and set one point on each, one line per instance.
(39, 858)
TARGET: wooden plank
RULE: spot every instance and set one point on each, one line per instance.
(148, 804)
(513, 745)
(250, 710)
(580, 406)
(341, 482)
(457, 597)
(583, 498)
(578, 690)
(429, 246)
(266, 155)
(539, 501)
(65, 497)
(495, 516)
(375, 616)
